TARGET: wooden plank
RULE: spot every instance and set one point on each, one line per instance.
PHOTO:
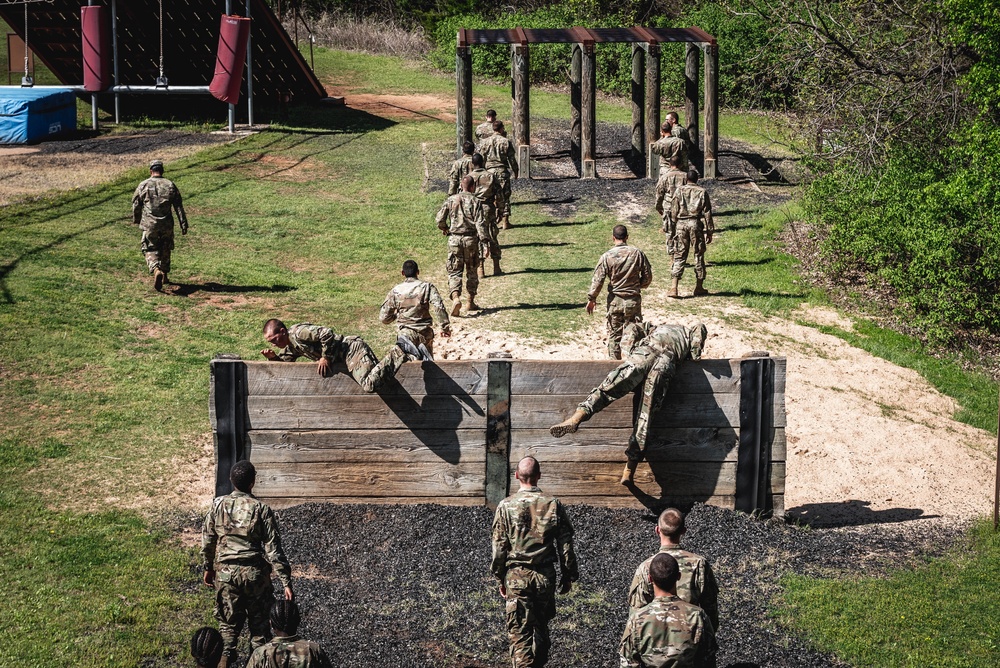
(437, 500)
(498, 432)
(369, 480)
(588, 114)
(638, 101)
(463, 91)
(366, 412)
(685, 410)
(652, 93)
(691, 57)
(575, 102)
(627, 500)
(711, 109)
(368, 445)
(300, 379)
(520, 68)
(653, 479)
(715, 376)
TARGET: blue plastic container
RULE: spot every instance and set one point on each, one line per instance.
(30, 115)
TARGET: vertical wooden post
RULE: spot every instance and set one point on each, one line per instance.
(711, 109)
(522, 109)
(497, 428)
(691, 64)
(463, 86)
(638, 102)
(228, 399)
(575, 68)
(753, 466)
(588, 112)
(652, 105)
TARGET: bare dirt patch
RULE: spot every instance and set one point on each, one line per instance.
(268, 167)
(402, 107)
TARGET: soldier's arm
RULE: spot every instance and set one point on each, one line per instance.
(647, 271)
(707, 214)
(453, 178)
(675, 207)
(640, 592)
(321, 660)
(137, 198)
(442, 217)
(390, 308)
(178, 204)
(501, 545)
(328, 341)
(600, 272)
(512, 158)
(479, 220)
(564, 546)
(628, 652)
(286, 355)
(272, 548)
(438, 311)
(209, 542)
(707, 645)
(709, 599)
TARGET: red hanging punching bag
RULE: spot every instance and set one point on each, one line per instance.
(229, 60)
(96, 49)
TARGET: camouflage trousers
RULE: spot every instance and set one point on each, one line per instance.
(370, 373)
(463, 255)
(689, 235)
(424, 336)
(643, 367)
(493, 243)
(502, 178)
(531, 604)
(243, 595)
(621, 311)
(156, 246)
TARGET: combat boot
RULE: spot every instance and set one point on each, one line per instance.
(571, 425)
(481, 270)
(497, 271)
(158, 278)
(699, 288)
(673, 288)
(505, 223)
(629, 472)
(473, 306)
(456, 307)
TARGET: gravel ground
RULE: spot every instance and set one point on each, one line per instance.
(410, 585)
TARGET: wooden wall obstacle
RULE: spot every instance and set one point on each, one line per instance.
(452, 433)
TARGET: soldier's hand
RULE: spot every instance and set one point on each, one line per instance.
(323, 367)
(590, 306)
(269, 354)
(184, 228)
(708, 238)
(209, 578)
(289, 596)
(565, 586)
(503, 592)
(445, 232)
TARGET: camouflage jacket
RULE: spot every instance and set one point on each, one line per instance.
(483, 132)
(463, 215)
(410, 304)
(626, 269)
(668, 147)
(499, 153)
(459, 168)
(665, 340)
(681, 132)
(153, 202)
(289, 652)
(696, 585)
(314, 342)
(691, 202)
(532, 530)
(241, 531)
(485, 187)
(668, 633)
(666, 186)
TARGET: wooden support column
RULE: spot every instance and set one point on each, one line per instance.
(652, 106)
(497, 429)
(691, 66)
(522, 119)
(711, 110)
(463, 86)
(575, 67)
(753, 468)
(588, 112)
(228, 406)
(638, 102)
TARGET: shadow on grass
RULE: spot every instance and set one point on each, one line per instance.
(187, 289)
(564, 270)
(739, 263)
(732, 212)
(520, 306)
(536, 244)
(550, 200)
(552, 223)
(746, 292)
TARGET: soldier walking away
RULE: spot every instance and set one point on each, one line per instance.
(411, 305)
(206, 647)
(654, 357)
(286, 649)
(628, 272)
(501, 161)
(460, 167)
(668, 146)
(531, 532)
(485, 129)
(325, 347)
(240, 545)
(666, 186)
(669, 632)
(462, 219)
(697, 581)
(153, 204)
(691, 212)
(486, 192)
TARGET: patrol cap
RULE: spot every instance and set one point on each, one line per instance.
(156, 165)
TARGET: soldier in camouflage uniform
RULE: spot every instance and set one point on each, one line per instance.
(286, 649)
(324, 346)
(486, 192)
(691, 212)
(666, 186)
(410, 305)
(531, 532)
(681, 132)
(485, 130)
(669, 632)
(668, 146)
(462, 219)
(240, 544)
(460, 167)
(628, 272)
(653, 359)
(697, 581)
(153, 204)
(501, 161)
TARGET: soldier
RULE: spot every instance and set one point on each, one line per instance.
(410, 304)
(460, 167)
(485, 130)
(286, 649)
(668, 146)
(462, 220)
(206, 647)
(501, 161)
(486, 189)
(628, 273)
(666, 186)
(691, 213)
(669, 632)
(324, 346)
(152, 206)
(240, 544)
(531, 531)
(653, 358)
(697, 581)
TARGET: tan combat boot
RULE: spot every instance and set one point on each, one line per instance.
(473, 306)
(497, 271)
(481, 271)
(158, 278)
(456, 307)
(673, 288)
(505, 223)
(569, 426)
(699, 288)
(629, 472)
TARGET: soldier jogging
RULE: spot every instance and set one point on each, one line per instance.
(153, 204)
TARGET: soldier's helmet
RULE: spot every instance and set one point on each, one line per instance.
(156, 165)
(697, 334)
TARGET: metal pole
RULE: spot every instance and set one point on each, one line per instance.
(114, 49)
(93, 97)
(232, 107)
(249, 70)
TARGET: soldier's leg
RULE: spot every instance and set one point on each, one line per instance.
(520, 622)
(544, 612)
(427, 338)
(699, 263)
(230, 611)
(454, 267)
(370, 373)
(616, 325)
(506, 187)
(259, 602)
(470, 256)
(653, 391)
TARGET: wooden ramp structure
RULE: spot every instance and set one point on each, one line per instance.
(452, 433)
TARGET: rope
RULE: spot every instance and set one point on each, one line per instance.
(161, 38)
(26, 40)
